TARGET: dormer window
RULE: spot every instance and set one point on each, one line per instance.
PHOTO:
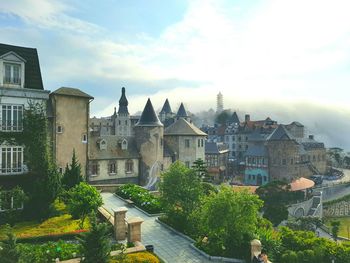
(12, 70)
(12, 74)
(103, 145)
(124, 144)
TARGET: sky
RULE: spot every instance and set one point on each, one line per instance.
(289, 60)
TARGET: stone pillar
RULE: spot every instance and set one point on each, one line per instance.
(134, 229)
(119, 223)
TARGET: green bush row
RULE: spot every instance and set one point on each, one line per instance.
(141, 197)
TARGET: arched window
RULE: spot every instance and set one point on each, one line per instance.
(124, 144)
(103, 145)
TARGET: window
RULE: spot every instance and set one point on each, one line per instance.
(11, 160)
(129, 166)
(11, 117)
(12, 74)
(94, 169)
(103, 145)
(246, 147)
(59, 129)
(124, 144)
(60, 170)
(187, 143)
(199, 143)
(292, 161)
(84, 138)
(119, 122)
(112, 168)
(126, 122)
(239, 138)
(10, 202)
(202, 142)
(161, 142)
(246, 138)
(187, 164)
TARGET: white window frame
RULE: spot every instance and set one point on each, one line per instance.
(12, 59)
(4, 154)
(84, 139)
(11, 111)
(19, 208)
(10, 80)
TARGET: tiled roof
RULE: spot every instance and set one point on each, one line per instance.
(72, 92)
(113, 150)
(32, 74)
(183, 127)
(280, 133)
(256, 150)
(215, 147)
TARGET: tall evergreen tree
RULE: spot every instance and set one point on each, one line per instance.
(201, 170)
(96, 244)
(72, 175)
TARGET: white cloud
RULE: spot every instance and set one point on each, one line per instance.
(49, 14)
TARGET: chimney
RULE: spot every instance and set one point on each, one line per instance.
(311, 137)
(247, 117)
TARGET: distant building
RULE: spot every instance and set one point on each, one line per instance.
(216, 157)
(125, 148)
(219, 103)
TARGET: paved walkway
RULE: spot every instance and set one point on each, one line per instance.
(167, 244)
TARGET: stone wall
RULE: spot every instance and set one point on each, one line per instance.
(72, 114)
(120, 170)
(283, 160)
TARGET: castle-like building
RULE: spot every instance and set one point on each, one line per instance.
(125, 148)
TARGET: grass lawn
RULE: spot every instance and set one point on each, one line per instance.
(344, 223)
(54, 225)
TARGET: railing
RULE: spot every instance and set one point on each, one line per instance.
(14, 170)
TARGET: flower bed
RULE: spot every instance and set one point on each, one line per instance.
(138, 257)
(141, 197)
(48, 252)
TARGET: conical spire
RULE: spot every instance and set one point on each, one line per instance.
(123, 104)
(148, 116)
(166, 108)
(182, 112)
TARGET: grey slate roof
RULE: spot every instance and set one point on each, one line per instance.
(215, 147)
(234, 118)
(166, 107)
(309, 144)
(280, 133)
(183, 127)
(148, 116)
(113, 150)
(72, 92)
(123, 103)
(182, 111)
(32, 74)
(256, 150)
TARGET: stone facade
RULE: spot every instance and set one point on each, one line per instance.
(151, 147)
(70, 116)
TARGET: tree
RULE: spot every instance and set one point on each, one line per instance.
(201, 170)
(276, 195)
(223, 117)
(9, 252)
(72, 175)
(335, 229)
(82, 200)
(180, 194)
(229, 220)
(96, 244)
(44, 183)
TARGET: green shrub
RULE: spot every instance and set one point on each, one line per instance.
(141, 197)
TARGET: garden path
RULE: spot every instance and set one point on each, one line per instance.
(168, 245)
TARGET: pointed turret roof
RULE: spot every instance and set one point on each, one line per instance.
(166, 108)
(182, 112)
(234, 118)
(280, 133)
(148, 116)
(123, 103)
